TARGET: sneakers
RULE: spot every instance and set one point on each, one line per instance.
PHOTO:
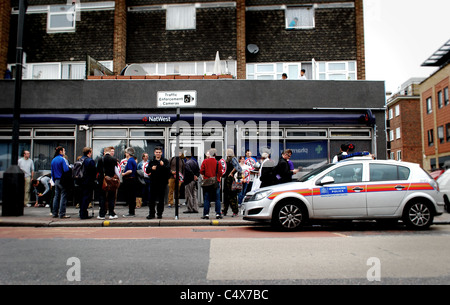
(205, 217)
(219, 216)
(112, 217)
(129, 215)
(100, 217)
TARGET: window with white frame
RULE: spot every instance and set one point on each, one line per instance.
(299, 17)
(45, 71)
(61, 18)
(399, 155)
(397, 110)
(180, 17)
(189, 68)
(345, 70)
(429, 105)
(391, 115)
(391, 135)
(397, 133)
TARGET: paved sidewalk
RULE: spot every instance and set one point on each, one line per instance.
(41, 217)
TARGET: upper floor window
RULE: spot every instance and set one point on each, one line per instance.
(429, 105)
(440, 101)
(301, 17)
(180, 17)
(345, 70)
(397, 110)
(446, 96)
(61, 18)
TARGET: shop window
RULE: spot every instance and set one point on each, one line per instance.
(44, 152)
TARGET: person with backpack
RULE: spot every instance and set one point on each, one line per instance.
(85, 173)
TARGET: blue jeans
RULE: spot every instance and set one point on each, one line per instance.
(242, 193)
(60, 200)
(208, 194)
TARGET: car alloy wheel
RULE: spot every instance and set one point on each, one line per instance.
(418, 215)
(290, 216)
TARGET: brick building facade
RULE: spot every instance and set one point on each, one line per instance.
(403, 130)
(329, 44)
(435, 109)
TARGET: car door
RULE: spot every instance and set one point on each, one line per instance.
(386, 189)
(345, 197)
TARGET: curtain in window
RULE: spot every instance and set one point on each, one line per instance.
(300, 17)
(180, 17)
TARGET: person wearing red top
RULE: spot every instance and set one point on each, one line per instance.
(211, 167)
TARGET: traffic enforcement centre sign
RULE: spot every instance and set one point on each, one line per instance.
(176, 99)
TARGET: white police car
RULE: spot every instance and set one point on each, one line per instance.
(355, 189)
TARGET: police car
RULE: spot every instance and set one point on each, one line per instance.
(353, 189)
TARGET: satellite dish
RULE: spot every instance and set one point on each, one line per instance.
(253, 48)
(133, 70)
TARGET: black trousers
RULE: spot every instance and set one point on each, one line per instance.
(130, 189)
(157, 193)
(86, 198)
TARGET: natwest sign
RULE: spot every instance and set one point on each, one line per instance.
(176, 99)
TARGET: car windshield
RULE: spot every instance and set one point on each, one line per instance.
(315, 172)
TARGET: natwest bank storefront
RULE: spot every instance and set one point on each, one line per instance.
(312, 118)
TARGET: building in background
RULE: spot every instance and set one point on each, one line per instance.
(402, 125)
(435, 111)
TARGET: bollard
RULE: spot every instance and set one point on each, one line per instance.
(13, 191)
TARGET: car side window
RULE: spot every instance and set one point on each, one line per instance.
(347, 174)
(388, 172)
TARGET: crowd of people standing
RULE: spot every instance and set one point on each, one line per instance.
(151, 181)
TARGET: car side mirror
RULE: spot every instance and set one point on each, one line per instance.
(325, 180)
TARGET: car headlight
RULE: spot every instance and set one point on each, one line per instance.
(260, 195)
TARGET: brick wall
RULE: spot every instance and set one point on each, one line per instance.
(241, 40)
(120, 36)
(5, 13)
(439, 117)
(360, 46)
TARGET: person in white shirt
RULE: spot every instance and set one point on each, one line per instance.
(27, 166)
(302, 75)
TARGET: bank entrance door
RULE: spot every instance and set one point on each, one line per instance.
(195, 148)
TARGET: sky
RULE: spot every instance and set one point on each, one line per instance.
(400, 35)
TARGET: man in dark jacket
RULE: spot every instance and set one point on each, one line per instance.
(282, 170)
(106, 166)
(87, 182)
(158, 170)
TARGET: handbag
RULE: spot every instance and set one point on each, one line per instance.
(211, 182)
(110, 184)
(236, 186)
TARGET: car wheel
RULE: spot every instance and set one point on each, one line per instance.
(289, 216)
(418, 215)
